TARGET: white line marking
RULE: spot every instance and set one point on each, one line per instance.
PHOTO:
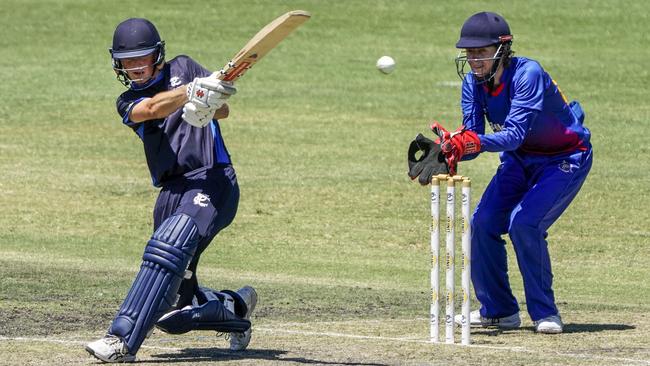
(410, 340)
(450, 84)
(380, 338)
(75, 342)
(352, 336)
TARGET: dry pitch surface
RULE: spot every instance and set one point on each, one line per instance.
(586, 341)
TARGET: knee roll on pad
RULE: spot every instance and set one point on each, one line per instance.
(165, 259)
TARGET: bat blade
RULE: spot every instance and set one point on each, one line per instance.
(263, 42)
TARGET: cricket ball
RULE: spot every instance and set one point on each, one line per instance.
(386, 64)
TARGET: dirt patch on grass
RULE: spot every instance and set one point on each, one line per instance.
(19, 321)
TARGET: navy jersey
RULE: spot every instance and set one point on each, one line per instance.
(527, 112)
(173, 147)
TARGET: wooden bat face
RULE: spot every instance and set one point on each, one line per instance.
(263, 42)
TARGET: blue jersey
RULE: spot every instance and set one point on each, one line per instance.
(545, 158)
(527, 112)
(174, 148)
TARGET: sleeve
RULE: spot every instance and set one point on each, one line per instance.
(473, 114)
(124, 106)
(513, 135)
(526, 105)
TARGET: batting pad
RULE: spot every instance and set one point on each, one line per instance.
(154, 290)
(211, 315)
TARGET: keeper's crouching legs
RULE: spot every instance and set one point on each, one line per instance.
(153, 293)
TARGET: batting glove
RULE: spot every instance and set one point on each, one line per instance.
(197, 116)
(209, 92)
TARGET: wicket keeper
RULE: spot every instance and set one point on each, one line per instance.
(174, 108)
(545, 155)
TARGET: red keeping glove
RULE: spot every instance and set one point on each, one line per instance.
(457, 144)
(440, 131)
(461, 142)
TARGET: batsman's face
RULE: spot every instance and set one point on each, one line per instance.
(139, 69)
(481, 60)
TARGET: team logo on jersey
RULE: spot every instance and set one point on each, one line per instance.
(201, 200)
(175, 81)
(567, 167)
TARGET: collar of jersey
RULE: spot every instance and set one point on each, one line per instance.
(502, 84)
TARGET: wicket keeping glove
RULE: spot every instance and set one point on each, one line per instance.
(431, 162)
(457, 144)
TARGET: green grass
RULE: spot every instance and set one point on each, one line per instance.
(329, 230)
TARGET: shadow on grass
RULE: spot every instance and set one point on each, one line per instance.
(196, 355)
(568, 328)
(592, 328)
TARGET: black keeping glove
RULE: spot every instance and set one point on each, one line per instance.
(432, 162)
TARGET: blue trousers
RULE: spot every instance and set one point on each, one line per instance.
(523, 199)
(211, 198)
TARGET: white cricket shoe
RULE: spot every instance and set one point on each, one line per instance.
(239, 341)
(476, 320)
(110, 349)
(549, 325)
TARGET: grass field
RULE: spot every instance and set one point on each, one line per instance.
(330, 230)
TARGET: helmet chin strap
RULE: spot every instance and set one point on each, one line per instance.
(493, 74)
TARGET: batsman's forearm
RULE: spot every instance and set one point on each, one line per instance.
(165, 103)
(160, 105)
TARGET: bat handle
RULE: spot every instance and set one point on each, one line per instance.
(221, 74)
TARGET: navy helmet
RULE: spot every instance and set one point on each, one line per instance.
(135, 37)
(485, 29)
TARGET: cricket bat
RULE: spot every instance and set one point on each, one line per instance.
(263, 42)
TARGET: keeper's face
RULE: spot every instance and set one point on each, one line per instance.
(481, 60)
(140, 69)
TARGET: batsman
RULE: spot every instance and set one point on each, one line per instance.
(545, 155)
(174, 108)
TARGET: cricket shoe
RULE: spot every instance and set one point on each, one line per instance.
(110, 349)
(240, 340)
(549, 325)
(476, 320)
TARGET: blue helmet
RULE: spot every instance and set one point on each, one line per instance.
(135, 37)
(483, 30)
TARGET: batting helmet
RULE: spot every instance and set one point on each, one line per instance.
(135, 37)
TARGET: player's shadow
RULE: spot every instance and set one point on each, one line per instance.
(568, 328)
(196, 355)
(592, 328)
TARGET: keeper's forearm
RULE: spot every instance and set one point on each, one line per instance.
(160, 105)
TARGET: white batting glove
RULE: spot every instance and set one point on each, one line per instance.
(209, 92)
(197, 116)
